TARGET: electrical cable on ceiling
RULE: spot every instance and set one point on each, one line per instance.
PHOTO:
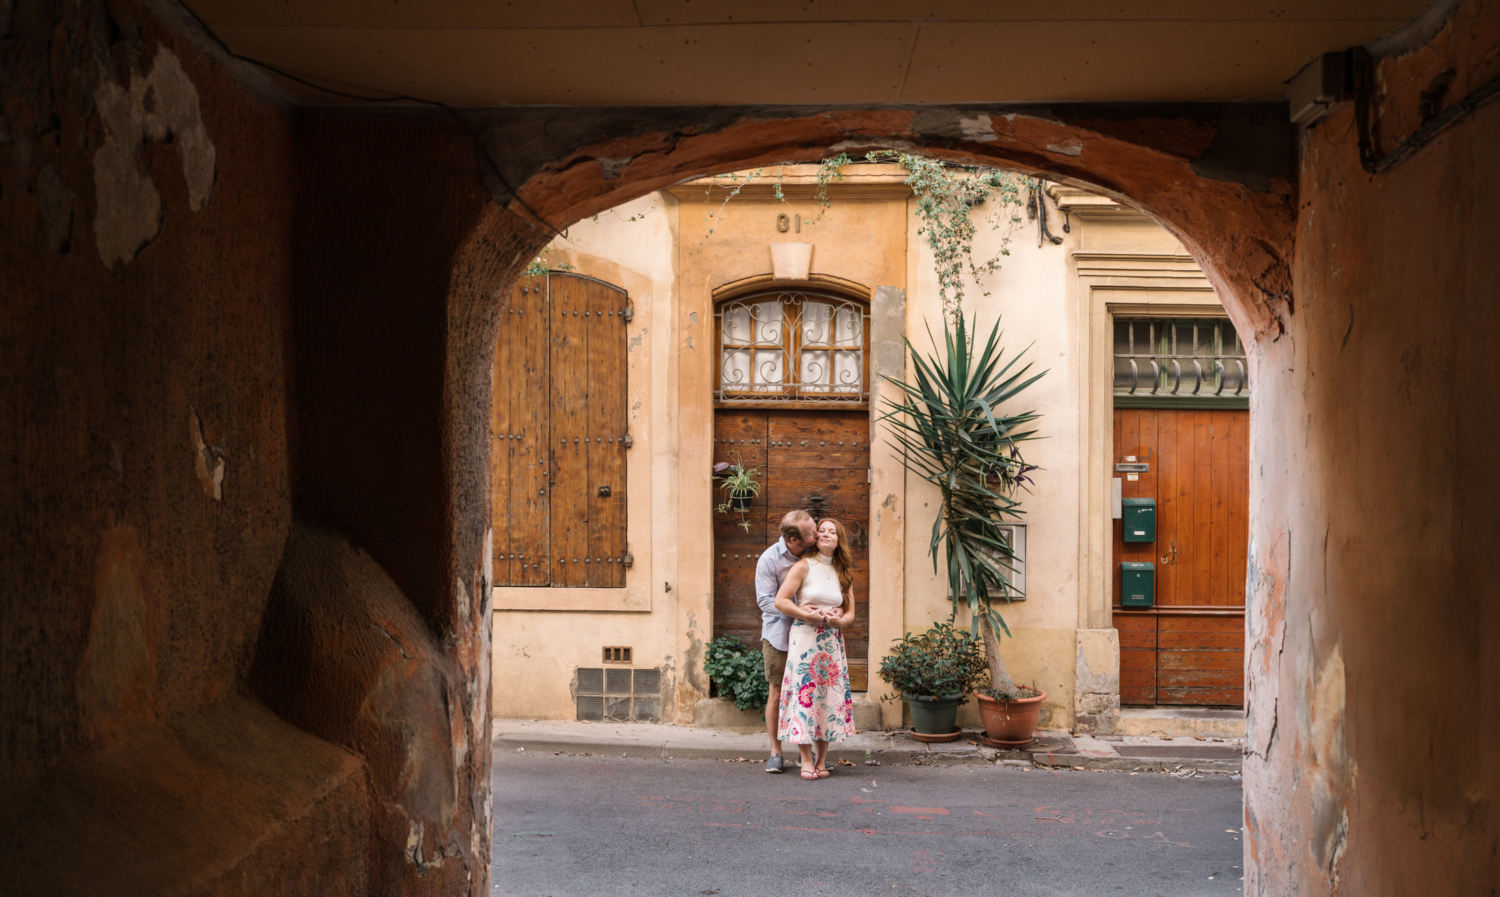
(1363, 70)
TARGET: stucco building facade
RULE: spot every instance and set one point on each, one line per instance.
(683, 256)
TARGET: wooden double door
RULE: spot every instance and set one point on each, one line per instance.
(1190, 647)
(817, 460)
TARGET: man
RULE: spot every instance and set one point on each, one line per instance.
(797, 535)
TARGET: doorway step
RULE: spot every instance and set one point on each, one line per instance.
(1180, 722)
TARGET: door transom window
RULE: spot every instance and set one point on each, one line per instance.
(790, 346)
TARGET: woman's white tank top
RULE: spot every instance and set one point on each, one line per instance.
(821, 588)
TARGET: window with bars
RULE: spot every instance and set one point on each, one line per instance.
(1179, 361)
(1013, 568)
(792, 346)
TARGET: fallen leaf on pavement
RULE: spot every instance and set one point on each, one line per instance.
(845, 763)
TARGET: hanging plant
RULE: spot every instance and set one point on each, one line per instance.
(740, 487)
(954, 435)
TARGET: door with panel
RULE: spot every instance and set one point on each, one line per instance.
(817, 460)
(1188, 648)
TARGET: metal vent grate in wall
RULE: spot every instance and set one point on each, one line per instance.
(618, 695)
(647, 709)
(617, 682)
(647, 682)
(590, 681)
(590, 708)
(617, 709)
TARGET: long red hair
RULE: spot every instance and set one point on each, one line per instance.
(843, 558)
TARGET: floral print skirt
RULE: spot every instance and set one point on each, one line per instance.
(816, 703)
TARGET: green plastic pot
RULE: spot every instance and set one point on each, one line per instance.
(935, 716)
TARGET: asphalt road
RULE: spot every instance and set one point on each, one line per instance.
(573, 826)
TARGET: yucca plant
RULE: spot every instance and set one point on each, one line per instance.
(952, 433)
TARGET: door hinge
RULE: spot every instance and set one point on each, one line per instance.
(869, 475)
(629, 314)
(628, 441)
(629, 559)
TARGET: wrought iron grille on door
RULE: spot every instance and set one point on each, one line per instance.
(1192, 358)
(792, 346)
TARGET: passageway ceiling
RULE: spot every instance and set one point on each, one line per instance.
(711, 52)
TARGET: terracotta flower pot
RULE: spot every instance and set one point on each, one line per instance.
(1010, 723)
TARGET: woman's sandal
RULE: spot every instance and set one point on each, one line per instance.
(821, 772)
(810, 774)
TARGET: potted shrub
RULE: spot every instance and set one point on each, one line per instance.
(1010, 718)
(934, 672)
(955, 435)
(740, 486)
(738, 672)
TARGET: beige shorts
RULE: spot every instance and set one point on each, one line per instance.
(775, 663)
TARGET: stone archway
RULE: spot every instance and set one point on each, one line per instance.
(323, 326)
(402, 258)
(1241, 235)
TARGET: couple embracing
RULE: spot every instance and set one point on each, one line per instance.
(804, 585)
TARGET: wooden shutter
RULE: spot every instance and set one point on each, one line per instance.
(558, 426)
(604, 320)
(520, 433)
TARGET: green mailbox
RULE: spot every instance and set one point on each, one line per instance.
(1137, 583)
(1140, 519)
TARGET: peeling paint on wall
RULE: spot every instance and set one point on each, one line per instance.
(162, 106)
(208, 461)
(1332, 771)
(979, 128)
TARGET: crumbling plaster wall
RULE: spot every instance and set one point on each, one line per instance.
(201, 694)
(146, 272)
(1373, 675)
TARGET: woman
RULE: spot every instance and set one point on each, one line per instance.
(816, 704)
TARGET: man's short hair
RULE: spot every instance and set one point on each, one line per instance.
(791, 524)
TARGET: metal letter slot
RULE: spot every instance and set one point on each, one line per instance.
(1133, 468)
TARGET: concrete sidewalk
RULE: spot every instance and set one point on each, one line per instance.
(1050, 749)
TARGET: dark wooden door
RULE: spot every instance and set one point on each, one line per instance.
(817, 460)
(1189, 647)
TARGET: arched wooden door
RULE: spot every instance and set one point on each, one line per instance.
(792, 402)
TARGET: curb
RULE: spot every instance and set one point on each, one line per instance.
(960, 753)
